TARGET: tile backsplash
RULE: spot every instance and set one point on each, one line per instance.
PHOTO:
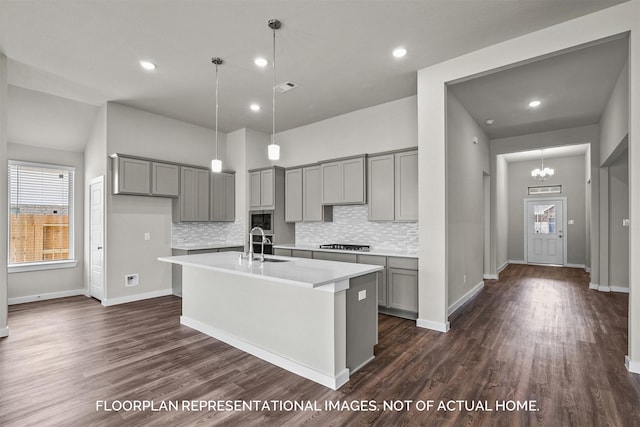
(208, 232)
(350, 226)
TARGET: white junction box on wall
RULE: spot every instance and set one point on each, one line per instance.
(131, 279)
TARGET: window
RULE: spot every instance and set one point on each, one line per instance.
(40, 216)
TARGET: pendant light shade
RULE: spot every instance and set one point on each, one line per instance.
(273, 150)
(216, 164)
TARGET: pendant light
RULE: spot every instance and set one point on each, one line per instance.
(542, 173)
(273, 150)
(216, 164)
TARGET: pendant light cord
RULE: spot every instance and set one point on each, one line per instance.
(216, 111)
(273, 89)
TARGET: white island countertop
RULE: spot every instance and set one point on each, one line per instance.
(200, 246)
(309, 273)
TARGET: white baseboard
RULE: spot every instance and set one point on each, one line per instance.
(632, 365)
(136, 297)
(603, 288)
(435, 326)
(291, 366)
(490, 276)
(47, 296)
(4, 332)
(516, 261)
(621, 289)
(503, 266)
(587, 269)
(594, 286)
(582, 266)
(466, 297)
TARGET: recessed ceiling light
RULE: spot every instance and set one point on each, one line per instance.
(254, 107)
(535, 103)
(489, 122)
(260, 62)
(147, 65)
(399, 52)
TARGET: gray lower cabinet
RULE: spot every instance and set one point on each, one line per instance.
(335, 256)
(402, 287)
(193, 203)
(223, 197)
(165, 179)
(282, 252)
(297, 253)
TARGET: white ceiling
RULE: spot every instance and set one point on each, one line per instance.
(338, 52)
(573, 87)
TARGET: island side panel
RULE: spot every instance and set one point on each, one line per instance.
(304, 325)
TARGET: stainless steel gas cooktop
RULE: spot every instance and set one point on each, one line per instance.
(345, 247)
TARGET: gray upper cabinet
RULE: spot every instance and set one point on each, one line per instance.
(406, 186)
(393, 186)
(165, 179)
(343, 182)
(381, 189)
(262, 189)
(312, 208)
(131, 176)
(223, 197)
(293, 195)
(193, 203)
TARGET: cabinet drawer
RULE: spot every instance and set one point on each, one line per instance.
(333, 256)
(296, 253)
(282, 252)
(202, 251)
(406, 263)
(372, 259)
(232, 249)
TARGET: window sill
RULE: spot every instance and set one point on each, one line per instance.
(38, 266)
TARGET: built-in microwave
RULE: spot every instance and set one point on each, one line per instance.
(262, 219)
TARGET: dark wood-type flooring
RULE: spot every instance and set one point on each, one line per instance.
(537, 334)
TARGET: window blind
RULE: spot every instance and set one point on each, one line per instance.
(40, 211)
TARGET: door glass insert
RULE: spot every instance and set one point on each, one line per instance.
(544, 219)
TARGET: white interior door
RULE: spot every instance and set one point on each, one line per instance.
(96, 239)
(544, 231)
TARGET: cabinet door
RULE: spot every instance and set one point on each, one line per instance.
(406, 186)
(312, 209)
(222, 204)
(230, 197)
(202, 195)
(134, 176)
(165, 179)
(293, 195)
(381, 187)
(267, 185)
(188, 183)
(335, 256)
(331, 183)
(254, 190)
(353, 181)
(402, 287)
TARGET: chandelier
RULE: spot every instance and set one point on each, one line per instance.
(273, 150)
(542, 173)
(216, 164)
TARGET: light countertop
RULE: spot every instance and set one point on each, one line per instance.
(304, 272)
(373, 251)
(199, 246)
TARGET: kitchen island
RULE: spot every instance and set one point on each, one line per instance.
(317, 319)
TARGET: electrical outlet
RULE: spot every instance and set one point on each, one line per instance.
(464, 278)
(131, 279)
(626, 222)
(362, 294)
(147, 236)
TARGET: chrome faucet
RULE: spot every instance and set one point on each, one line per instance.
(263, 241)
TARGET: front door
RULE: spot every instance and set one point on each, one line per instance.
(96, 239)
(544, 232)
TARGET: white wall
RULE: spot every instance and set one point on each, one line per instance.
(614, 123)
(500, 219)
(466, 164)
(618, 234)
(128, 218)
(384, 127)
(4, 213)
(570, 173)
(28, 286)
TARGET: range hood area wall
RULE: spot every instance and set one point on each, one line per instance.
(350, 225)
(208, 232)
